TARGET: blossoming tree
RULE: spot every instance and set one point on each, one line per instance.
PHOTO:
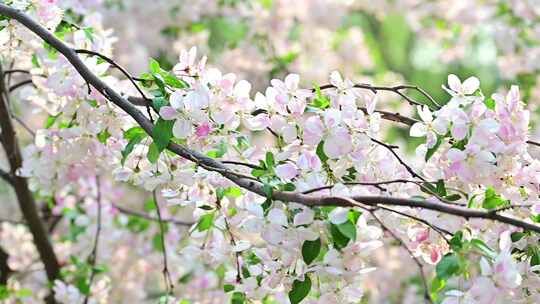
(289, 195)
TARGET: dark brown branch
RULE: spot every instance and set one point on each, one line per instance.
(534, 143)
(8, 72)
(125, 72)
(231, 162)
(5, 270)
(20, 185)
(6, 177)
(247, 184)
(20, 84)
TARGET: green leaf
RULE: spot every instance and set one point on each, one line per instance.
(354, 215)
(103, 136)
(156, 242)
(228, 287)
(270, 160)
(456, 242)
(310, 250)
(516, 236)
(437, 285)
(448, 266)
(220, 152)
(490, 103)
(134, 132)
(433, 149)
(492, 200)
(172, 81)
(320, 101)
(35, 61)
(348, 229)
(441, 188)
(453, 197)
(233, 192)
(154, 66)
(51, 120)
(300, 290)
(159, 102)
(268, 190)
(238, 298)
(153, 153)
(339, 240)
(134, 140)
(23, 293)
(162, 133)
(205, 222)
(320, 152)
(483, 247)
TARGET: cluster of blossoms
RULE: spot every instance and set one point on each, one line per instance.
(326, 140)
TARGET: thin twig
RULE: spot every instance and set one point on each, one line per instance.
(374, 184)
(93, 255)
(399, 159)
(125, 72)
(231, 162)
(443, 232)
(24, 125)
(249, 185)
(166, 275)
(374, 89)
(148, 217)
(20, 84)
(404, 246)
(8, 72)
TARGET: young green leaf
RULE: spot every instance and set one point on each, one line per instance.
(205, 222)
(448, 266)
(162, 133)
(310, 250)
(300, 290)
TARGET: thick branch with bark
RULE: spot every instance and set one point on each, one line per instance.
(20, 185)
(248, 184)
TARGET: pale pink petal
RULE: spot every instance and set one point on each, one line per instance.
(286, 171)
(182, 128)
(167, 113)
(304, 218)
(291, 81)
(454, 83)
(455, 155)
(470, 85)
(277, 216)
(419, 129)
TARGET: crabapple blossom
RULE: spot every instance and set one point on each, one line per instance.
(225, 160)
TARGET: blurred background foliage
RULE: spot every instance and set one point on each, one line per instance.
(398, 54)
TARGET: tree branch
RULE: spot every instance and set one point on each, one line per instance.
(93, 255)
(169, 285)
(148, 217)
(250, 185)
(415, 259)
(6, 177)
(20, 185)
